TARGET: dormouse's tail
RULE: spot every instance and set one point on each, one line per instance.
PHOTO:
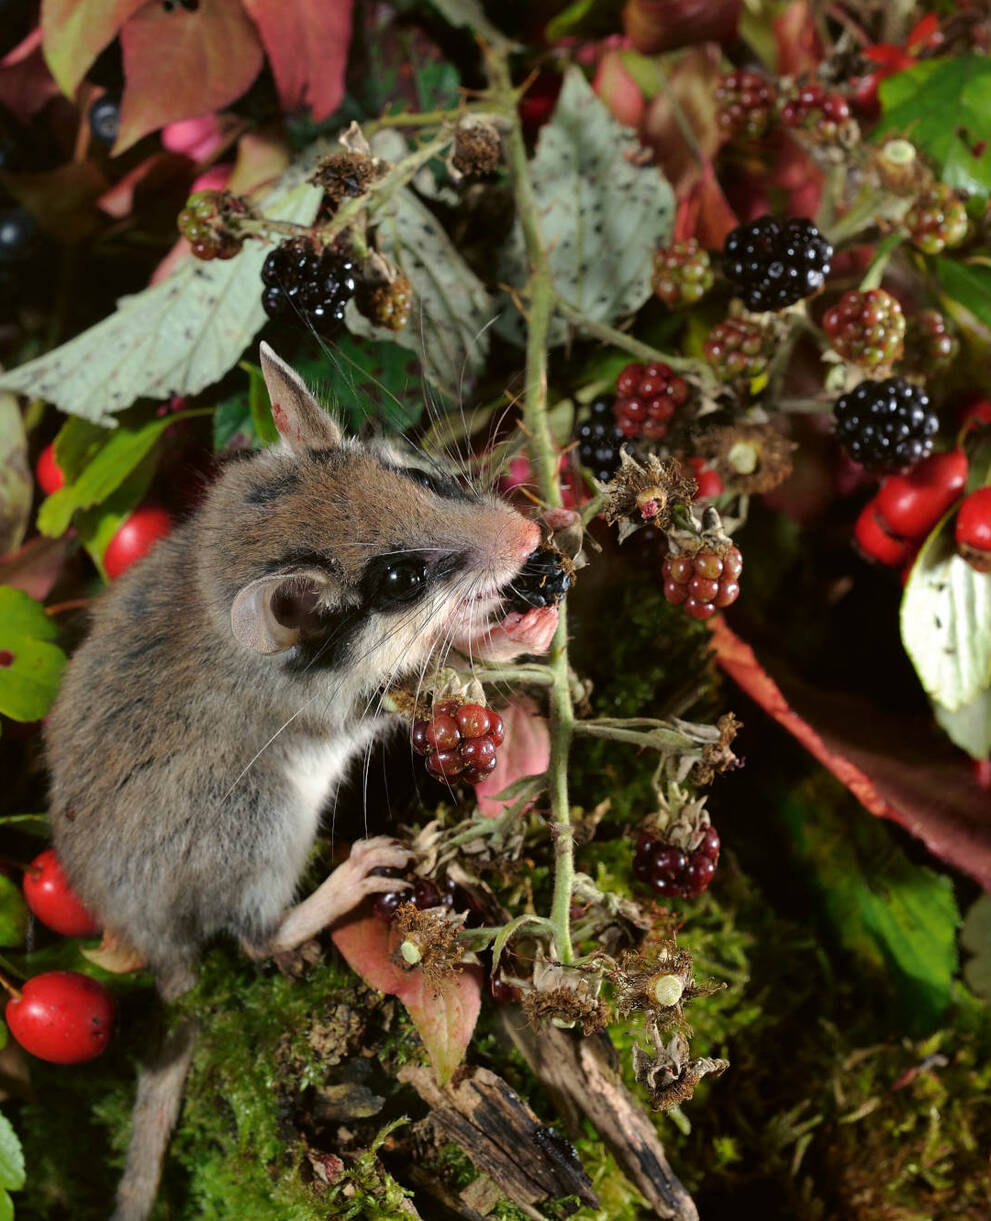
(161, 1083)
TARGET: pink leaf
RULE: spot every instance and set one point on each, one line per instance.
(26, 85)
(36, 566)
(74, 32)
(444, 1014)
(180, 64)
(307, 45)
(526, 751)
(898, 767)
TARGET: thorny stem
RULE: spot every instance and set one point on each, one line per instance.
(620, 339)
(544, 457)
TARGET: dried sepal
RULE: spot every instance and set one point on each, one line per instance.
(565, 996)
(670, 1075)
(345, 175)
(717, 755)
(751, 458)
(477, 148)
(647, 489)
(661, 986)
(428, 941)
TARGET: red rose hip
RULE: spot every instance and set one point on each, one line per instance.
(48, 471)
(135, 539)
(973, 529)
(62, 1017)
(51, 898)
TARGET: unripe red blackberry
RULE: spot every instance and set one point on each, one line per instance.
(886, 426)
(459, 740)
(737, 350)
(647, 397)
(823, 116)
(937, 219)
(866, 328)
(670, 871)
(205, 222)
(930, 346)
(746, 104)
(682, 273)
(703, 580)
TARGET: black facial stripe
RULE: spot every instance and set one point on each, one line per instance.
(441, 485)
(299, 557)
(329, 650)
(273, 489)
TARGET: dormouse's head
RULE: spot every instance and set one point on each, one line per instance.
(352, 557)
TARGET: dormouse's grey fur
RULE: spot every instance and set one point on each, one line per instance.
(230, 678)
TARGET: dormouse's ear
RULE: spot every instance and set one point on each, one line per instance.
(302, 422)
(274, 613)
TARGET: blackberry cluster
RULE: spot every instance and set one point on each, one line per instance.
(746, 104)
(737, 350)
(423, 894)
(682, 273)
(203, 222)
(937, 219)
(885, 426)
(542, 581)
(823, 116)
(673, 873)
(866, 328)
(459, 740)
(930, 346)
(309, 281)
(647, 396)
(599, 440)
(773, 263)
(703, 581)
(104, 119)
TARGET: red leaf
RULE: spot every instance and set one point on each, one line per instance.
(704, 213)
(689, 97)
(74, 32)
(307, 45)
(444, 1014)
(25, 82)
(180, 64)
(36, 566)
(665, 25)
(898, 767)
(797, 39)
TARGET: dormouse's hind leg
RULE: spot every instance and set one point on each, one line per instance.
(338, 895)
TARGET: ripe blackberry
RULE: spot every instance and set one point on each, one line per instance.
(704, 580)
(746, 104)
(737, 350)
(824, 117)
(423, 894)
(647, 396)
(886, 426)
(206, 223)
(930, 347)
(104, 118)
(459, 740)
(866, 328)
(682, 273)
(773, 263)
(937, 219)
(671, 872)
(543, 580)
(307, 280)
(386, 303)
(19, 237)
(599, 440)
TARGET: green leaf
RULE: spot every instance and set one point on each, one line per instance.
(366, 380)
(13, 913)
(16, 483)
(965, 284)
(11, 1157)
(6, 1206)
(946, 622)
(32, 665)
(601, 216)
(97, 526)
(898, 917)
(975, 936)
(4, 1035)
(176, 337)
(944, 107)
(448, 327)
(30, 824)
(968, 727)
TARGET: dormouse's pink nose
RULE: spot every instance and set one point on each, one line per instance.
(529, 537)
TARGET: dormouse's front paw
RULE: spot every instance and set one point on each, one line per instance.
(356, 876)
(517, 633)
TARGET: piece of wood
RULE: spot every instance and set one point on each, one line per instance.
(582, 1078)
(503, 1137)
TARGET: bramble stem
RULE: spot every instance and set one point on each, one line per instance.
(620, 339)
(539, 292)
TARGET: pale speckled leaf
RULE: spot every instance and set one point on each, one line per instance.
(946, 622)
(16, 486)
(969, 726)
(451, 309)
(601, 215)
(176, 337)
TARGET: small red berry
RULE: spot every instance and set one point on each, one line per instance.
(698, 874)
(710, 843)
(135, 539)
(973, 529)
(727, 593)
(708, 564)
(875, 542)
(48, 471)
(497, 731)
(50, 897)
(910, 505)
(418, 737)
(708, 480)
(62, 1017)
(668, 860)
(473, 720)
(442, 733)
(479, 753)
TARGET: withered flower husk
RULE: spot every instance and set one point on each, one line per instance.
(661, 987)
(477, 148)
(433, 936)
(670, 1075)
(717, 756)
(648, 489)
(751, 457)
(566, 1006)
(345, 175)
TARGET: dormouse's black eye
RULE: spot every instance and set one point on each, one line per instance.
(425, 480)
(401, 581)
